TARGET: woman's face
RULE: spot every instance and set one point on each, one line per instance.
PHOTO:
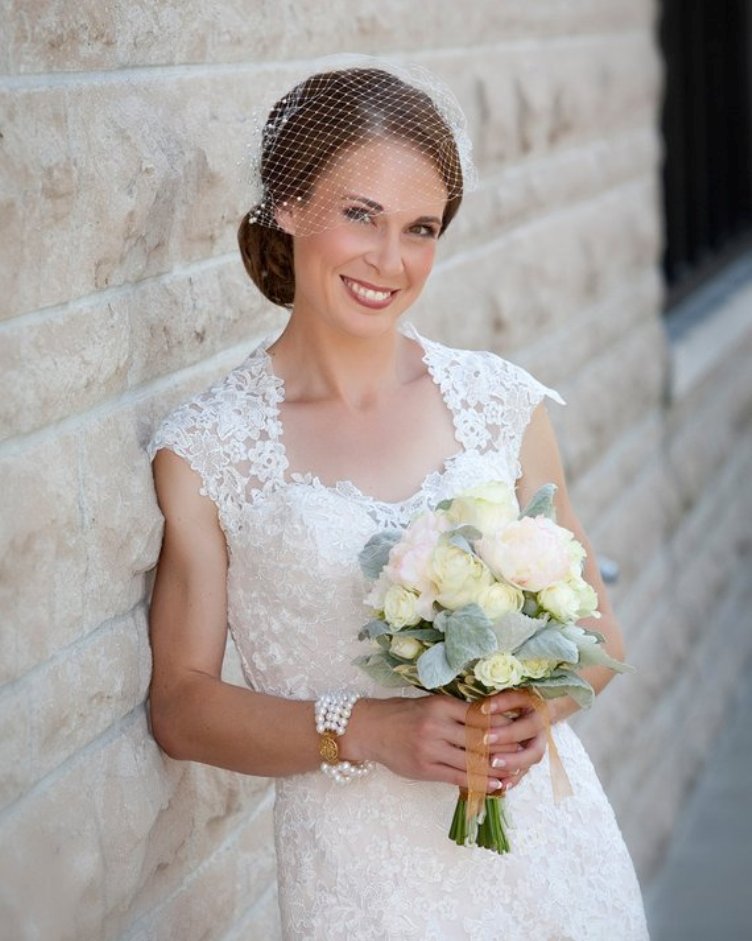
(365, 240)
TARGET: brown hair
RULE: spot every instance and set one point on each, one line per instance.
(371, 103)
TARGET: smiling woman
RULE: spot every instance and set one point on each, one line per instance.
(273, 480)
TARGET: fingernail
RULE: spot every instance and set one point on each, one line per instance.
(490, 738)
(487, 708)
(494, 784)
(498, 763)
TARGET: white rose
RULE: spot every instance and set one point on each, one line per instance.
(408, 648)
(375, 597)
(400, 607)
(499, 671)
(459, 576)
(531, 553)
(488, 507)
(499, 599)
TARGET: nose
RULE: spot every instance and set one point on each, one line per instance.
(385, 254)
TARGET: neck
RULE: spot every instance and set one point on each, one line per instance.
(317, 362)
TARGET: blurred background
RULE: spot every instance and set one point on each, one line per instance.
(608, 250)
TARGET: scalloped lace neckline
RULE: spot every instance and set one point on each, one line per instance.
(346, 487)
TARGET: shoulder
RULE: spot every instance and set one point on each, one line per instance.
(234, 403)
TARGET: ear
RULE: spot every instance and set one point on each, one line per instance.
(284, 216)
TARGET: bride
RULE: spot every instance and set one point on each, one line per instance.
(270, 483)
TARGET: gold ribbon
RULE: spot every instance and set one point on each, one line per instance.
(477, 725)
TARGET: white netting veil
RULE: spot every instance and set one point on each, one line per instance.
(341, 126)
(354, 143)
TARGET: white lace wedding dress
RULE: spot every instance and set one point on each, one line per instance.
(372, 860)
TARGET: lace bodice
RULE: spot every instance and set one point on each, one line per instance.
(372, 861)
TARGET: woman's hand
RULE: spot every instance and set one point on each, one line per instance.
(424, 738)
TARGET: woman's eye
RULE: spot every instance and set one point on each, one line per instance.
(426, 231)
(357, 214)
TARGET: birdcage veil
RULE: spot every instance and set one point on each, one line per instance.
(349, 110)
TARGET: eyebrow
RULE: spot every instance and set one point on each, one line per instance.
(377, 207)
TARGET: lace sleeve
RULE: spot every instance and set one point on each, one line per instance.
(523, 393)
(190, 431)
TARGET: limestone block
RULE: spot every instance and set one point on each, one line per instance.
(15, 742)
(531, 98)
(44, 549)
(534, 187)
(633, 527)
(61, 364)
(87, 352)
(117, 827)
(81, 693)
(123, 524)
(202, 811)
(217, 894)
(46, 35)
(610, 394)
(183, 319)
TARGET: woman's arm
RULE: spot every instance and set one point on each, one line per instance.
(197, 716)
(194, 714)
(541, 463)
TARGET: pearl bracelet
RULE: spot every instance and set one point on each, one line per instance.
(333, 711)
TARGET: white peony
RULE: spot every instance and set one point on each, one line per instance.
(531, 553)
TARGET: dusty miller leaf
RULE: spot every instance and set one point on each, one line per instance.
(379, 668)
(433, 667)
(468, 636)
(372, 629)
(549, 644)
(542, 502)
(375, 554)
(513, 629)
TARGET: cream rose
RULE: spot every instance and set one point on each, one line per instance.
(459, 577)
(499, 599)
(538, 668)
(569, 600)
(499, 671)
(531, 553)
(400, 607)
(488, 507)
(407, 648)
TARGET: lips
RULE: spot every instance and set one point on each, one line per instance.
(368, 294)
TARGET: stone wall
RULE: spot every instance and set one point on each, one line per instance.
(121, 292)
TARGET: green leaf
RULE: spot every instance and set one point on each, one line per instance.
(379, 668)
(468, 636)
(373, 629)
(444, 505)
(549, 644)
(421, 633)
(433, 667)
(513, 629)
(542, 502)
(566, 683)
(375, 554)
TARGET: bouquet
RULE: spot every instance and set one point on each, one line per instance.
(473, 598)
